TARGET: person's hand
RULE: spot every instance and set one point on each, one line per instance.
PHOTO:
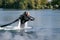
(31, 18)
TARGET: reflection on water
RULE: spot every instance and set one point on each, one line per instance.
(45, 27)
(14, 35)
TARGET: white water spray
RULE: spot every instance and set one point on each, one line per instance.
(19, 27)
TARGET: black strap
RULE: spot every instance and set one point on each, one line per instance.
(10, 23)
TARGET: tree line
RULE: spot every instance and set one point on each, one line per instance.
(29, 4)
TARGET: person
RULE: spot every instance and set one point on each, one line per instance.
(23, 19)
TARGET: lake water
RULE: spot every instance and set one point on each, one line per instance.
(46, 25)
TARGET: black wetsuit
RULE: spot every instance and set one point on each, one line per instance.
(24, 18)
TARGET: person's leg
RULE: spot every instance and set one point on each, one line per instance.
(22, 30)
(26, 26)
(22, 27)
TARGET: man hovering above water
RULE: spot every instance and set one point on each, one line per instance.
(23, 19)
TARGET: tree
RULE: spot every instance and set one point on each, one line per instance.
(37, 4)
(8, 3)
(40, 3)
(31, 4)
(23, 4)
(0, 3)
(56, 3)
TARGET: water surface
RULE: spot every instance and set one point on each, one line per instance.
(46, 25)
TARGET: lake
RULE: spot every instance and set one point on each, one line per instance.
(46, 25)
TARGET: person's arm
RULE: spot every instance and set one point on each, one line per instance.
(31, 18)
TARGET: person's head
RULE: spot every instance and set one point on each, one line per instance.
(26, 13)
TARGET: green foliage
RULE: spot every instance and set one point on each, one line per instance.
(56, 3)
(28, 4)
(31, 4)
(10, 1)
(23, 4)
(37, 4)
(0, 3)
